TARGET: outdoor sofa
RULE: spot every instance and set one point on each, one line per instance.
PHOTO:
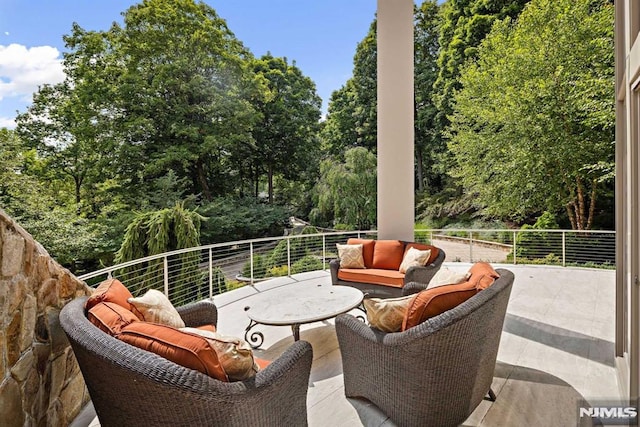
(381, 275)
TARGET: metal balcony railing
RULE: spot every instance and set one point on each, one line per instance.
(195, 273)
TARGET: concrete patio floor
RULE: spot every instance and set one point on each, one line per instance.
(557, 348)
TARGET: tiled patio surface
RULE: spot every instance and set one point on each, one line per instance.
(557, 347)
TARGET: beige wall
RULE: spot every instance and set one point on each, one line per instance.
(395, 120)
(627, 50)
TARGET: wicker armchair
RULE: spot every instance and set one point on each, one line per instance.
(130, 386)
(434, 374)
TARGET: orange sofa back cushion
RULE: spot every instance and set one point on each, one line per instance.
(387, 254)
(367, 249)
(189, 350)
(423, 247)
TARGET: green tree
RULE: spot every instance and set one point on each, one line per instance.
(346, 192)
(156, 232)
(428, 144)
(535, 116)
(182, 92)
(465, 23)
(352, 113)
(285, 134)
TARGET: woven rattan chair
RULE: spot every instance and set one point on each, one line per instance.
(434, 374)
(130, 386)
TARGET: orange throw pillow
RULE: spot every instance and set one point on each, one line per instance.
(482, 275)
(111, 290)
(188, 350)
(387, 254)
(110, 317)
(423, 247)
(434, 301)
(367, 249)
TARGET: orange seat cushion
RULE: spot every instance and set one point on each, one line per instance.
(188, 350)
(482, 275)
(367, 249)
(423, 247)
(112, 290)
(374, 276)
(434, 301)
(110, 317)
(388, 254)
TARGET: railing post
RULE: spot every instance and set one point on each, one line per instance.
(514, 249)
(210, 274)
(251, 262)
(324, 252)
(564, 249)
(288, 256)
(470, 246)
(166, 276)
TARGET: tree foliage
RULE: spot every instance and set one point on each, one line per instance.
(428, 144)
(346, 192)
(535, 113)
(285, 134)
(352, 114)
(465, 23)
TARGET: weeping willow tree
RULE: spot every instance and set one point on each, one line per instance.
(157, 232)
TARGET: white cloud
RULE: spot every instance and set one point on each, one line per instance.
(23, 69)
(6, 122)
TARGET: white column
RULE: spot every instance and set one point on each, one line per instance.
(395, 120)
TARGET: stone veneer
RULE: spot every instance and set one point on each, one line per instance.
(40, 382)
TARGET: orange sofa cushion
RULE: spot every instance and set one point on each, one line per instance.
(110, 317)
(188, 350)
(434, 301)
(367, 249)
(423, 247)
(375, 276)
(110, 290)
(482, 275)
(388, 254)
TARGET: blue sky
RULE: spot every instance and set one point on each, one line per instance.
(320, 35)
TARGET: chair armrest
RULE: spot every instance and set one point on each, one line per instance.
(199, 313)
(334, 266)
(421, 274)
(295, 362)
(413, 288)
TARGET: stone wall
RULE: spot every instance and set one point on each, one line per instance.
(40, 382)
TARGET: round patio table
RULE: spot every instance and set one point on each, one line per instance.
(295, 305)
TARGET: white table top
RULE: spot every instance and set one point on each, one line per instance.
(298, 304)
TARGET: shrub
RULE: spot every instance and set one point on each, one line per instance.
(308, 263)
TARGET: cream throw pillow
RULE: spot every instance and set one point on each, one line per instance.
(387, 314)
(155, 307)
(444, 276)
(234, 354)
(350, 256)
(414, 258)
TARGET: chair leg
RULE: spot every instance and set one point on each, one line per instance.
(492, 395)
